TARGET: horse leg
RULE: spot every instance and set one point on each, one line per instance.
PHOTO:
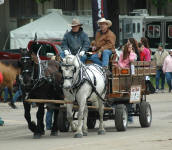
(81, 103)
(70, 117)
(85, 128)
(40, 123)
(54, 130)
(31, 124)
(101, 112)
(69, 96)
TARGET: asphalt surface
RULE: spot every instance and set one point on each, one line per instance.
(14, 135)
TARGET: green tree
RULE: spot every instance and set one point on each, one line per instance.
(160, 4)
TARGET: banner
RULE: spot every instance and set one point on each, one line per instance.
(99, 10)
(1, 2)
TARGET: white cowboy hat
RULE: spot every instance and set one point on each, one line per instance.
(109, 23)
(170, 50)
(75, 22)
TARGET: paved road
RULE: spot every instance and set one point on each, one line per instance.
(14, 135)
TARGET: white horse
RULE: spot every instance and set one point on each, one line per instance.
(83, 82)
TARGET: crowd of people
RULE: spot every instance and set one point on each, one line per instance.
(77, 41)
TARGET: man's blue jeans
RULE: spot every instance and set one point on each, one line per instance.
(5, 94)
(17, 95)
(168, 76)
(49, 116)
(160, 74)
(105, 58)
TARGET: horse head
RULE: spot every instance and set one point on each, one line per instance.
(70, 68)
(26, 64)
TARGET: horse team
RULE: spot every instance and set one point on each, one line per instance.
(69, 79)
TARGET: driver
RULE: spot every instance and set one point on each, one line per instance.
(75, 40)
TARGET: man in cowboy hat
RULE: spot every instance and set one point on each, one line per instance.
(75, 41)
(104, 44)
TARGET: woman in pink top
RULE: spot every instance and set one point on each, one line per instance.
(146, 50)
(167, 69)
(127, 56)
(144, 53)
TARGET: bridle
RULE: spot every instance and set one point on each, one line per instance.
(74, 71)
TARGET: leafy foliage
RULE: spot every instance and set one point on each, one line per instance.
(41, 1)
(160, 3)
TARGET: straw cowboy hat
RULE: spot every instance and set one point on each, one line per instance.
(75, 22)
(109, 23)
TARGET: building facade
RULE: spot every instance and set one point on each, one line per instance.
(16, 13)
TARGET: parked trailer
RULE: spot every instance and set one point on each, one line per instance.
(158, 29)
(126, 97)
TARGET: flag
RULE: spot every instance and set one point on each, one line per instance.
(99, 10)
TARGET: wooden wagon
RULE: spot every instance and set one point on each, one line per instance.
(126, 97)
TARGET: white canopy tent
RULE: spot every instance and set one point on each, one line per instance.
(50, 26)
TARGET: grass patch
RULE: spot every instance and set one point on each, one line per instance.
(153, 81)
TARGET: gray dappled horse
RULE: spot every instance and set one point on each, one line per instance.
(83, 82)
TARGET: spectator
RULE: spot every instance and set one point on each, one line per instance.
(159, 58)
(75, 40)
(104, 44)
(49, 116)
(127, 56)
(5, 94)
(1, 80)
(167, 69)
(16, 95)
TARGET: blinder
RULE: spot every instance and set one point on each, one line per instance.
(66, 67)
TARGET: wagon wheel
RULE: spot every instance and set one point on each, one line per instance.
(121, 117)
(91, 120)
(145, 116)
(63, 123)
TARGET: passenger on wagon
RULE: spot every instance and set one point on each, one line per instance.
(75, 40)
(135, 47)
(144, 52)
(127, 56)
(144, 41)
(104, 44)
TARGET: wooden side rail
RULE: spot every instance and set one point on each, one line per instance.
(141, 68)
(62, 102)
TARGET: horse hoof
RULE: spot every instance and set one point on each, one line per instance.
(37, 136)
(78, 135)
(85, 133)
(101, 132)
(54, 133)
